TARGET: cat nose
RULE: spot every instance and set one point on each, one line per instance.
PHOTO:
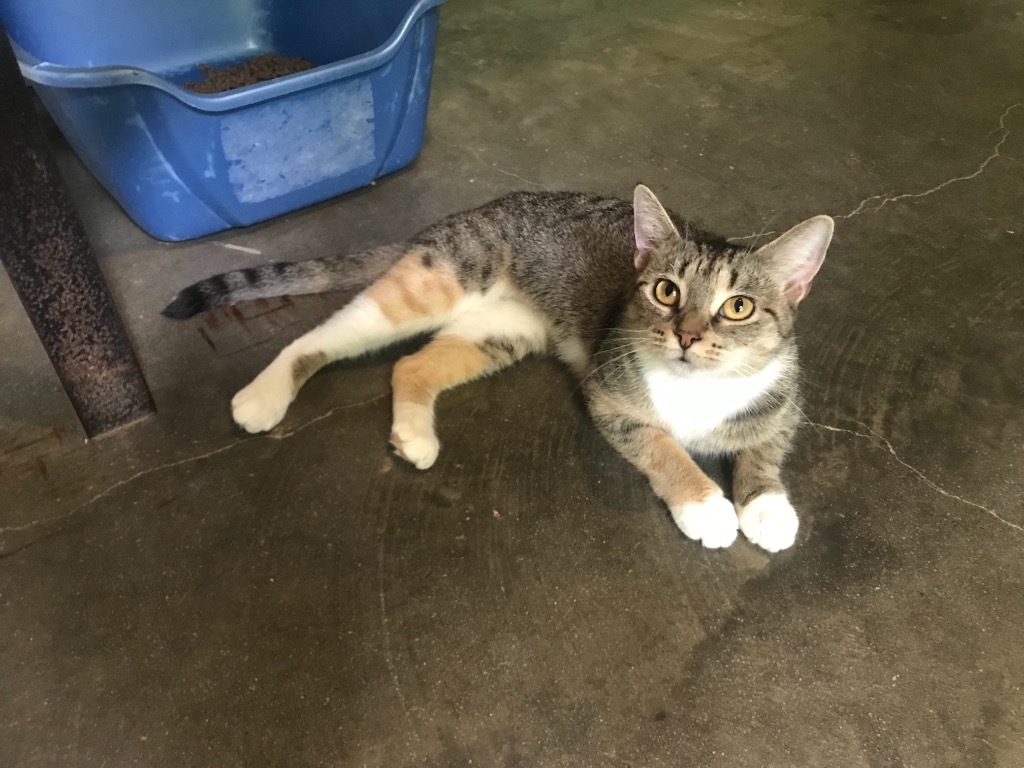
(687, 338)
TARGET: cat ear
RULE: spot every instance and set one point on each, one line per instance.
(797, 255)
(651, 224)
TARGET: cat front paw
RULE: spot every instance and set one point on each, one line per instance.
(416, 445)
(712, 522)
(770, 521)
(260, 406)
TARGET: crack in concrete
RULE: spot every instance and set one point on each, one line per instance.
(169, 465)
(877, 440)
(915, 195)
(886, 199)
(494, 166)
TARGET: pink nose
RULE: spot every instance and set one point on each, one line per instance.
(686, 338)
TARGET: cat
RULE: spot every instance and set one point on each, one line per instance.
(683, 341)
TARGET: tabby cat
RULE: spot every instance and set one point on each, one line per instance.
(683, 341)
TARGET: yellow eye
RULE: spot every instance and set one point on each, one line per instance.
(666, 292)
(737, 308)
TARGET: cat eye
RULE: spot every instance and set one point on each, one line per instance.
(666, 292)
(737, 308)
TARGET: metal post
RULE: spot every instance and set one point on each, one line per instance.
(45, 251)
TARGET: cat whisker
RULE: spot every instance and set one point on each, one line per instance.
(605, 364)
(619, 348)
(776, 399)
(629, 350)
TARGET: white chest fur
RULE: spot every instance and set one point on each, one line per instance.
(693, 406)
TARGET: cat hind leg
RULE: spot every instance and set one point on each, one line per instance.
(417, 294)
(418, 379)
(475, 344)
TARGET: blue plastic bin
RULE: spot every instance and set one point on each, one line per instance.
(111, 72)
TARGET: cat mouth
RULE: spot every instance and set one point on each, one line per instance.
(689, 361)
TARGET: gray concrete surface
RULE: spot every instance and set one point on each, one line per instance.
(180, 594)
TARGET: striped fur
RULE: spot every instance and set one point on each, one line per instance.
(332, 273)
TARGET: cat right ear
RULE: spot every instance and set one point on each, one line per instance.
(796, 256)
(651, 224)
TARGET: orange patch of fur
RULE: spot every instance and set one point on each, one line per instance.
(675, 476)
(443, 363)
(410, 290)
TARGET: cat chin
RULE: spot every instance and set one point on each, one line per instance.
(701, 369)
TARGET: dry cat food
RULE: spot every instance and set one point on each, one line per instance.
(249, 72)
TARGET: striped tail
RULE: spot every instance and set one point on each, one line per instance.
(332, 273)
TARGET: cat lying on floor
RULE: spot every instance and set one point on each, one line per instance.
(683, 341)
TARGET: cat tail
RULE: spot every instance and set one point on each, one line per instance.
(331, 273)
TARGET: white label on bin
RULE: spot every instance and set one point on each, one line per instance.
(297, 141)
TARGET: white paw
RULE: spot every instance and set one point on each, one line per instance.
(416, 444)
(712, 522)
(261, 405)
(770, 522)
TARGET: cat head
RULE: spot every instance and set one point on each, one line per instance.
(706, 305)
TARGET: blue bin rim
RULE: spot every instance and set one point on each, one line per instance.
(54, 75)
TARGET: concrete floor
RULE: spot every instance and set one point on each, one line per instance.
(180, 594)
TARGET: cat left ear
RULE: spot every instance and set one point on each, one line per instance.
(798, 254)
(651, 224)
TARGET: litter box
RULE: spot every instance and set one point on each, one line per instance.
(183, 164)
